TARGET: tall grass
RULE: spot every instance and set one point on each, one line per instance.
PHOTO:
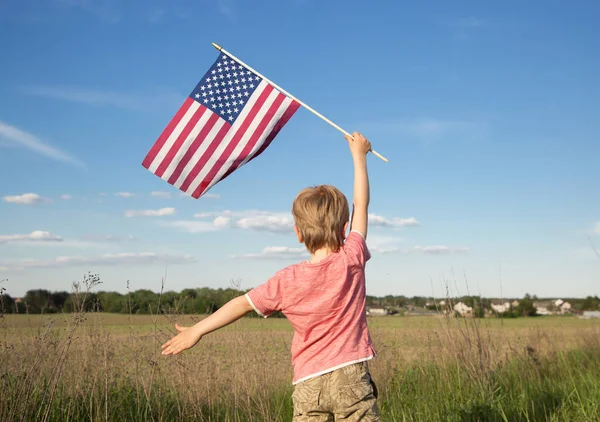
(102, 367)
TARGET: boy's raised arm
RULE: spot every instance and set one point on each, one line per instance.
(189, 336)
(359, 147)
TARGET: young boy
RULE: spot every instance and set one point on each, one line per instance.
(323, 298)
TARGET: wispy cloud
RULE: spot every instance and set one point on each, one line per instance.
(438, 249)
(165, 195)
(124, 194)
(14, 136)
(120, 259)
(34, 236)
(104, 10)
(279, 253)
(150, 213)
(108, 238)
(155, 16)
(596, 229)
(191, 226)
(25, 199)
(66, 196)
(105, 98)
(470, 22)
(380, 221)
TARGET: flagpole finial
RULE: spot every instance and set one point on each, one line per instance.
(217, 46)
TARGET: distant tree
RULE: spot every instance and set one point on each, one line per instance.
(37, 301)
(526, 307)
(591, 303)
(7, 304)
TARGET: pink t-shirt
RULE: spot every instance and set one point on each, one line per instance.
(326, 304)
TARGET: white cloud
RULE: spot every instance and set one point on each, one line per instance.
(125, 194)
(221, 222)
(282, 253)
(165, 195)
(384, 245)
(108, 238)
(14, 136)
(191, 226)
(379, 221)
(211, 196)
(34, 236)
(66, 196)
(143, 258)
(276, 222)
(25, 199)
(596, 229)
(150, 213)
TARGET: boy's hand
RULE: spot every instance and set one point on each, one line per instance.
(359, 145)
(187, 338)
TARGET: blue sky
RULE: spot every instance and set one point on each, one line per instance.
(488, 114)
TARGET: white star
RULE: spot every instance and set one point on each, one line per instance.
(226, 97)
(227, 68)
(221, 106)
(213, 105)
(209, 86)
(207, 79)
(220, 70)
(218, 91)
(197, 95)
(227, 104)
(229, 111)
(235, 74)
(235, 110)
(256, 78)
(229, 83)
(243, 79)
(239, 96)
(245, 86)
(237, 81)
(238, 87)
(204, 94)
(230, 117)
(246, 93)
(212, 100)
(241, 101)
(231, 89)
(213, 71)
(219, 98)
(234, 103)
(203, 87)
(210, 93)
(219, 64)
(251, 85)
(229, 75)
(221, 76)
(206, 100)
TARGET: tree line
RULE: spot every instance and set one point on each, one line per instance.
(206, 300)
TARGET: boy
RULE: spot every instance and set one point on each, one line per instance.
(323, 298)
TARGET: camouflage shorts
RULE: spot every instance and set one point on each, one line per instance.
(346, 394)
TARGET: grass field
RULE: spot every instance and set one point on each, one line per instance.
(95, 366)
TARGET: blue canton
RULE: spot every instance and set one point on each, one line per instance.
(226, 88)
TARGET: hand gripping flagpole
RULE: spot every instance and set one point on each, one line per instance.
(306, 106)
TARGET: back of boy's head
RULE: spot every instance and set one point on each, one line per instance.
(320, 214)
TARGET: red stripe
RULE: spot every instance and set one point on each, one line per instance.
(256, 136)
(202, 161)
(287, 115)
(230, 146)
(212, 120)
(167, 132)
(235, 141)
(180, 140)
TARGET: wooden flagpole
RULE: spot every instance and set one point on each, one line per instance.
(306, 106)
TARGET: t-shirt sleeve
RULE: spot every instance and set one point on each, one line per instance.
(356, 247)
(266, 298)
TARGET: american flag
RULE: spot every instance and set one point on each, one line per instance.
(230, 118)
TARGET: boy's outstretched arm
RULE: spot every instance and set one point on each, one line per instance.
(189, 336)
(359, 147)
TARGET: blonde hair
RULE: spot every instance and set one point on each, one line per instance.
(320, 213)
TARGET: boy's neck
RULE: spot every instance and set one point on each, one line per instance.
(320, 254)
